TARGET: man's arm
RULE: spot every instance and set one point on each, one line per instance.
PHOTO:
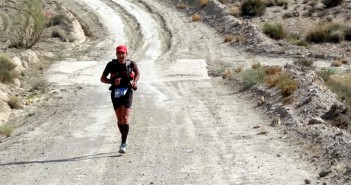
(105, 80)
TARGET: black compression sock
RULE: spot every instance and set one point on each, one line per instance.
(124, 131)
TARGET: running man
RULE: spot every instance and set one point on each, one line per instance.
(123, 77)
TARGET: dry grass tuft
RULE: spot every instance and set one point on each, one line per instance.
(282, 81)
(337, 63)
(271, 80)
(235, 11)
(238, 69)
(181, 6)
(6, 130)
(304, 62)
(228, 74)
(272, 70)
(6, 67)
(286, 84)
(14, 102)
(196, 17)
(256, 66)
(203, 2)
(229, 38)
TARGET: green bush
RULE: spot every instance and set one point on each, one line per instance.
(28, 24)
(325, 74)
(332, 3)
(5, 69)
(296, 40)
(6, 130)
(274, 30)
(253, 7)
(253, 76)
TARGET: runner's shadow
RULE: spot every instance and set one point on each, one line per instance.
(88, 157)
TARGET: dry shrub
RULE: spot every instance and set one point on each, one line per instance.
(14, 102)
(238, 69)
(286, 84)
(271, 80)
(234, 11)
(6, 130)
(272, 70)
(238, 38)
(282, 81)
(304, 63)
(203, 2)
(196, 17)
(256, 66)
(228, 74)
(181, 5)
(327, 32)
(6, 67)
(344, 61)
(28, 24)
(340, 84)
(336, 63)
(229, 38)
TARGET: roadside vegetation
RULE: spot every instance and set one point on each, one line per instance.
(6, 130)
(28, 23)
(7, 75)
(14, 102)
(272, 76)
(25, 22)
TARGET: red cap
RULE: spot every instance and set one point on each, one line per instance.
(121, 48)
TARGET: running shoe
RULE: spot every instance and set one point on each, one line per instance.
(123, 148)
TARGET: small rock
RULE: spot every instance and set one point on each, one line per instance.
(307, 181)
(314, 121)
(257, 126)
(324, 173)
(276, 121)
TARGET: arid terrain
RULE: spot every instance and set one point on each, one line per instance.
(195, 119)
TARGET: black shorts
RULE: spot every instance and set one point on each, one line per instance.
(125, 100)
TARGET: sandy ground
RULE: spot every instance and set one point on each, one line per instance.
(186, 127)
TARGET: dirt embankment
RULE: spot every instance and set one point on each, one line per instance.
(67, 26)
(313, 114)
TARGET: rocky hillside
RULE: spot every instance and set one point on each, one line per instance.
(311, 111)
(61, 31)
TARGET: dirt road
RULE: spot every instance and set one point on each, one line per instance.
(186, 127)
